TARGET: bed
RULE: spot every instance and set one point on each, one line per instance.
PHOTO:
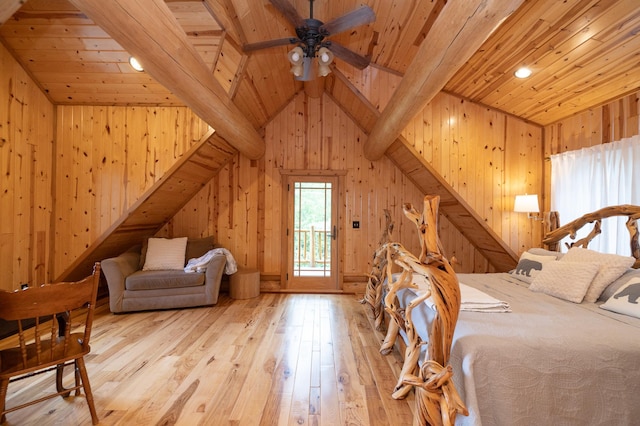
(539, 358)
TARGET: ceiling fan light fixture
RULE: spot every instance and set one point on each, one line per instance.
(296, 56)
(310, 39)
(325, 57)
(297, 70)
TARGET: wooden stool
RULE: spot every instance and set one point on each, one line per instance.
(244, 284)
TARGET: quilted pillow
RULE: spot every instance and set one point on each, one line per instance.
(530, 265)
(626, 300)
(611, 266)
(165, 254)
(544, 252)
(565, 280)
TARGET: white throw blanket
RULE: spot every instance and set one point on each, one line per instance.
(472, 299)
(478, 301)
(199, 264)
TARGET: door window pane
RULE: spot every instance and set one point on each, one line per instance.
(312, 236)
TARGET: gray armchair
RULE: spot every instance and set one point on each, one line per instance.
(132, 289)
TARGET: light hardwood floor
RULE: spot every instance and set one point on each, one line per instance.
(279, 359)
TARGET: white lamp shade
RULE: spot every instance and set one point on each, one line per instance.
(526, 204)
(297, 70)
(325, 56)
(296, 56)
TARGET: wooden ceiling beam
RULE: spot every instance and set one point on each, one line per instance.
(457, 34)
(149, 31)
(8, 8)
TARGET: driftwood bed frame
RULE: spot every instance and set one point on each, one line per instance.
(437, 400)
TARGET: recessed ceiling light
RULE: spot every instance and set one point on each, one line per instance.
(523, 72)
(135, 64)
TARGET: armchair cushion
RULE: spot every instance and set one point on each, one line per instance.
(150, 280)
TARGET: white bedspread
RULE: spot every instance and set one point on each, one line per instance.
(548, 362)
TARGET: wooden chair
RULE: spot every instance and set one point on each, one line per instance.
(49, 345)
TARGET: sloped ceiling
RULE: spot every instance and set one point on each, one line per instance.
(583, 53)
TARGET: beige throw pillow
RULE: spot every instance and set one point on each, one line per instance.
(565, 280)
(165, 254)
(611, 266)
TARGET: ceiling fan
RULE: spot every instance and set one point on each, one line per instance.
(311, 38)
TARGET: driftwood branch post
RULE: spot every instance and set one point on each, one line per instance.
(437, 400)
(552, 238)
(373, 292)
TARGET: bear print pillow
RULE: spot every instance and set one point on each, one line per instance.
(530, 265)
(626, 300)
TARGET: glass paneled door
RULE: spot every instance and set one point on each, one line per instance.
(312, 233)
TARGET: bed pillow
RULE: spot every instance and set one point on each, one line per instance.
(611, 267)
(617, 283)
(196, 247)
(165, 254)
(544, 252)
(530, 265)
(626, 300)
(565, 280)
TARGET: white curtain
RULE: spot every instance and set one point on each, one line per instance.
(592, 178)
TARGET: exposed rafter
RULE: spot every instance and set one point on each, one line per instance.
(8, 8)
(456, 35)
(150, 31)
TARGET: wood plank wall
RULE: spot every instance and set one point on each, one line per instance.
(488, 157)
(106, 157)
(610, 122)
(26, 147)
(243, 205)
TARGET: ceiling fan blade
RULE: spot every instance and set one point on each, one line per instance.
(289, 12)
(362, 15)
(269, 43)
(351, 57)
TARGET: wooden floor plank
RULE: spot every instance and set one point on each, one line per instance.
(279, 359)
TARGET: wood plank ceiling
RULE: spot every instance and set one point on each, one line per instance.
(582, 53)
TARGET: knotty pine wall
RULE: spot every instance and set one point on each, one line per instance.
(610, 122)
(488, 157)
(106, 158)
(243, 205)
(26, 148)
